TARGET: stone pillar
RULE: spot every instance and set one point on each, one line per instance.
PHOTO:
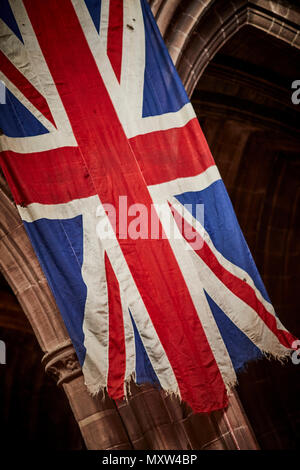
(155, 420)
(97, 417)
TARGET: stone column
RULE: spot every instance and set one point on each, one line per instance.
(97, 417)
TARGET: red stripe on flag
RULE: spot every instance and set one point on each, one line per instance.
(115, 172)
(117, 352)
(173, 153)
(238, 287)
(115, 36)
(28, 90)
(50, 177)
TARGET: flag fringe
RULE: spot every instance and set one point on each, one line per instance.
(270, 356)
(282, 357)
(100, 390)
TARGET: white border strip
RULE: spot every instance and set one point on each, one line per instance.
(104, 22)
(134, 302)
(133, 56)
(96, 312)
(129, 342)
(68, 210)
(163, 122)
(164, 191)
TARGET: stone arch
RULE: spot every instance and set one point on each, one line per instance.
(195, 30)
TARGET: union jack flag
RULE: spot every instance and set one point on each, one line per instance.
(94, 112)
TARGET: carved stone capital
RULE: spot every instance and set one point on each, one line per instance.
(62, 363)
